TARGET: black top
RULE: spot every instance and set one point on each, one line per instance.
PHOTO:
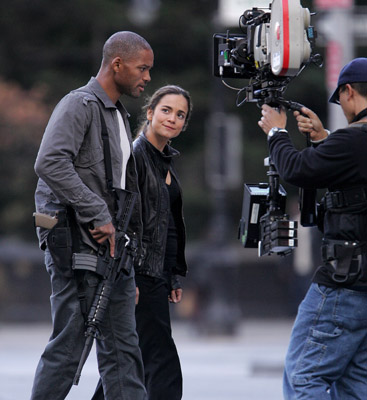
(170, 258)
(338, 163)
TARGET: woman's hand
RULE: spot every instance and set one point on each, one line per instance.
(175, 296)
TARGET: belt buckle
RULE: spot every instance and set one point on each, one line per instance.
(334, 199)
(337, 199)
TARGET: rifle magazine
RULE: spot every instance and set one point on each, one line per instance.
(83, 261)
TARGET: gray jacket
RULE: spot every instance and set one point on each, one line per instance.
(70, 161)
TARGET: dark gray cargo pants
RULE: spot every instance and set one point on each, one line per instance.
(119, 358)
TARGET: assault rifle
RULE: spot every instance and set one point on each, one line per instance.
(109, 268)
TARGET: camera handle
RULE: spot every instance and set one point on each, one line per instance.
(274, 195)
(288, 104)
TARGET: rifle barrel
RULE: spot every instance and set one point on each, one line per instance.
(86, 350)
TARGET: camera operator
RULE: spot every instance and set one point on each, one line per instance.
(327, 354)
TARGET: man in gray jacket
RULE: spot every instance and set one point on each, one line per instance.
(72, 185)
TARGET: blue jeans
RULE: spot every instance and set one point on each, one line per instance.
(119, 357)
(327, 354)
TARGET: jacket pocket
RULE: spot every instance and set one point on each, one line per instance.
(89, 156)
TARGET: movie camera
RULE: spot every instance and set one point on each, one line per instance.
(275, 46)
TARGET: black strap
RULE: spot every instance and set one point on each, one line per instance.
(82, 292)
(106, 153)
(80, 274)
(360, 115)
(343, 259)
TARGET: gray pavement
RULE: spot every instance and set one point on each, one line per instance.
(247, 366)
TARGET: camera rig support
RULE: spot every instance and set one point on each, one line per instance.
(264, 223)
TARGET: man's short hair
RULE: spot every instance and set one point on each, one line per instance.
(353, 72)
(359, 87)
(123, 44)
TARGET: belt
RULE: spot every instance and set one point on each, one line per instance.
(345, 198)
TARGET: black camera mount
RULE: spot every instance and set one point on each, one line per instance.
(264, 223)
(278, 233)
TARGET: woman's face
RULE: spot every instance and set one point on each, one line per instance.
(168, 118)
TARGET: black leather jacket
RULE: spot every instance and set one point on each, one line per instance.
(152, 167)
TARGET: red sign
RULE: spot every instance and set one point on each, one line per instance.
(334, 54)
(329, 4)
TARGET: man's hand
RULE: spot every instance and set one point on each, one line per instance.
(309, 123)
(271, 118)
(105, 232)
(175, 296)
(137, 294)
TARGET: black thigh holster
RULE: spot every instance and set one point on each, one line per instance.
(60, 244)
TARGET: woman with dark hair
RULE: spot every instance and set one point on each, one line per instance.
(162, 258)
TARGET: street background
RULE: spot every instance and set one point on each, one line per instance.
(247, 365)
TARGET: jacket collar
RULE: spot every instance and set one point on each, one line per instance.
(168, 152)
(99, 92)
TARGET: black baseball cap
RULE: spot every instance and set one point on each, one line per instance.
(355, 71)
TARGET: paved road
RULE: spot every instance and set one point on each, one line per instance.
(247, 366)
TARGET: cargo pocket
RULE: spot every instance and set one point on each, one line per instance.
(315, 354)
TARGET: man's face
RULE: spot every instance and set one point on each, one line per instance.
(133, 74)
